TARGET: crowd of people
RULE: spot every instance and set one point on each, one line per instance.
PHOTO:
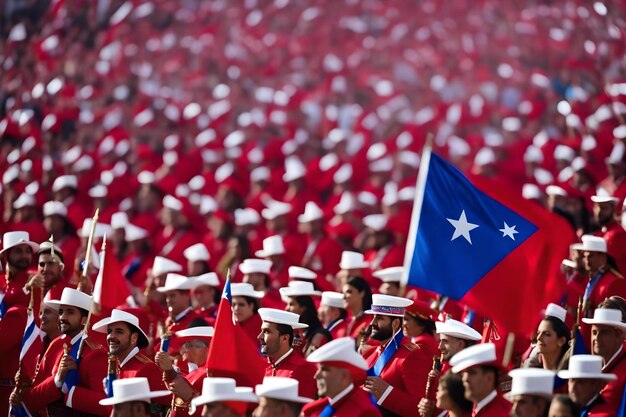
(276, 145)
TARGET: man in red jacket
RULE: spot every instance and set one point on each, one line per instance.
(605, 214)
(398, 369)
(479, 368)
(276, 339)
(340, 370)
(607, 340)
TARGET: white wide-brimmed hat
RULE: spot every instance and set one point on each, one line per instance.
(272, 245)
(455, 328)
(163, 265)
(13, 239)
(481, 354)
(586, 367)
(273, 315)
(531, 381)
(177, 282)
(122, 316)
(393, 274)
(299, 288)
(210, 278)
(132, 389)
(388, 305)
(223, 389)
(594, 244)
(251, 266)
(352, 260)
(332, 299)
(297, 272)
(608, 317)
(311, 213)
(72, 297)
(281, 388)
(54, 208)
(376, 222)
(196, 253)
(243, 289)
(555, 310)
(339, 351)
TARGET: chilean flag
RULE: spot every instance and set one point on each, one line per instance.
(495, 252)
(232, 353)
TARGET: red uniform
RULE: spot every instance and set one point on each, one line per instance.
(498, 407)
(252, 327)
(137, 365)
(609, 284)
(296, 367)
(615, 237)
(180, 323)
(209, 314)
(355, 404)
(14, 294)
(195, 380)
(427, 343)
(172, 244)
(272, 299)
(613, 390)
(338, 328)
(92, 370)
(600, 408)
(355, 324)
(12, 329)
(407, 372)
(322, 256)
(386, 257)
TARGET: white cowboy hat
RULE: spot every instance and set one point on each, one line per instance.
(280, 388)
(132, 389)
(13, 239)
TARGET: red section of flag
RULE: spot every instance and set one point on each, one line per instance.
(111, 289)
(232, 353)
(518, 289)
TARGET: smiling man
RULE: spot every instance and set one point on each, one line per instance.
(50, 266)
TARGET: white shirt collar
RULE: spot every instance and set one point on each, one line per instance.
(130, 356)
(482, 403)
(615, 355)
(335, 324)
(279, 360)
(182, 314)
(76, 338)
(342, 394)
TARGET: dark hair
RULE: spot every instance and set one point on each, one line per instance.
(284, 329)
(561, 330)
(197, 322)
(566, 401)
(244, 245)
(309, 316)
(454, 385)
(48, 251)
(493, 369)
(362, 286)
(427, 324)
(254, 302)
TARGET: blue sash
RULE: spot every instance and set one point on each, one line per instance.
(3, 306)
(328, 411)
(71, 379)
(622, 405)
(387, 354)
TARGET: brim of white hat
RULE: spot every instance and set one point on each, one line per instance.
(618, 324)
(34, 246)
(187, 287)
(241, 394)
(577, 375)
(372, 313)
(291, 292)
(568, 263)
(511, 395)
(294, 326)
(262, 254)
(293, 399)
(604, 199)
(356, 266)
(247, 270)
(305, 219)
(56, 304)
(101, 327)
(138, 397)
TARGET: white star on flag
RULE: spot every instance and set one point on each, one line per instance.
(509, 231)
(462, 227)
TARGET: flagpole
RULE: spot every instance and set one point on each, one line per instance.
(93, 304)
(92, 232)
(420, 188)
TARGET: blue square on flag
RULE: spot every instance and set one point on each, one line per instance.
(462, 233)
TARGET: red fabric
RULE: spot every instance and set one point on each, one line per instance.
(113, 287)
(340, 329)
(498, 407)
(613, 390)
(12, 329)
(252, 327)
(428, 344)
(195, 379)
(296, 367)
(324, 259)
(407, 372)
(141, 366)
(615, 237)
(355, 325)
(92, 370)
(356, 404)
(232, 354)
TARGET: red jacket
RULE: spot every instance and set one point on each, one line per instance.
(615, 237)
(355, 324)
(296, 367)
(12, 329)
(322, 256)
(140, 365)
(356, 404)
(407, 372)
(252, 327)
(339, 329)
(613, 390)
(427, 343)
(498, 407)
(386, 257)
(609, 284)
(195, 380)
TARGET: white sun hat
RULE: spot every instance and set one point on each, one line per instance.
(332, 299)
(352, 260)
(281, 388)
(132, 389)
(13, 239)
(251, 266)
(455, 328)
(272, 245)
(273, 315)
(608, 317)
(223, 389)
(311, 213)
(531, 381)
(392, 274)
(175, 282)
(196, 253)
(481, 354)
(586, 367)
(210, 279)
(163, 265)
(72, 297)
(243, 289)
(299, 288)
(297, 272)
(388, 305)
(122, 316)
(338, 351)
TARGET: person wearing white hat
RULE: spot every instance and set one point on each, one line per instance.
(177, 290)
(391, 280)
(333, 314)
(608, 333)
(125, 338)
(605, 216)
(27, 217)
(531, 392)
(205, 296)
(398, 369)
(221, 397)
(257, 273)
(245, 305)
(274, 251)
(603, 279)
(278, 397)
(193, 344)
(197, 259)
(380, 248)
(50, 266)
(156, 278)
(297, 273)
(352, 264)
(277, 343)
(479, 370)
(52, 383)
(16, 257)
(131, 397)
(277, 222)
(65, 190)
(585, 383)
(322, 254)
(340, 371)
(139, 255)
